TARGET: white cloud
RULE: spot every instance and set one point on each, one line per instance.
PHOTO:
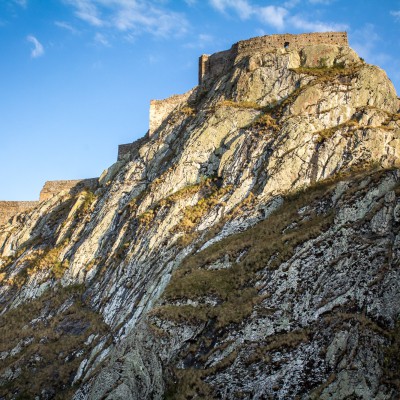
(315, 26)
(38, 49)
(101, 39)
(130, 16)
(87, 11)
(242, 7)
(365, 42)
(66, 26)
(278, 17)
(321, 1)
(201, 41)
(21, 3)
(395, 14)
(290, 3)
(274, 16)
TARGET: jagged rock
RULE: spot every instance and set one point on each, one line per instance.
(247, 248)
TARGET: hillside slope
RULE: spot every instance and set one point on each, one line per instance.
(247, 249)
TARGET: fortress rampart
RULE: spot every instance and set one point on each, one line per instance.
(210, 67)
(51, 188)
(129, 148)
(160, 109)
(218, 63)
(10, 208)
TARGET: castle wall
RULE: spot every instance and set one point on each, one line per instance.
(161, 109)
(10, 208)
(218, 64)
(51, 188)
(272, 42)
(129, 148)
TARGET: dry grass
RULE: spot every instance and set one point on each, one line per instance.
(265, 122)
(330, 72)
(348, 128)
(188, 111)
(211, 197)
(50, 359)
(239, 104)
(264, 244)
(277, 342)
(88, 201)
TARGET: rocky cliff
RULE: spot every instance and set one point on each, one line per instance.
(249, 248)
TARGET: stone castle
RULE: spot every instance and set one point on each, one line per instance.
(210, 68)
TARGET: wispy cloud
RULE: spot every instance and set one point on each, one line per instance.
(321, 1)
(279, 17)
(242, 7)
(101, 39)
(395, 14)
(87, 11)
(274, 16)
(365, 42)
(66, 26)
(201, 41)
(38, 49)
(305, 25)
(21, 3)
(132, 17)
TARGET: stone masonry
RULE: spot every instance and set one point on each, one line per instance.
(160, 109)
(129, 148)
(210, 67)
(10, 208)
(216, 64)
(51, 188)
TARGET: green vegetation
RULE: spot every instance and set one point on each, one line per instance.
(50, 333)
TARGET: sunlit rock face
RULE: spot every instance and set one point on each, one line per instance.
(247, 248)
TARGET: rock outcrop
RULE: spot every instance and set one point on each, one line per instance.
(248, 248)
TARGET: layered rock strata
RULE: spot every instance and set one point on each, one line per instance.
(247, 249)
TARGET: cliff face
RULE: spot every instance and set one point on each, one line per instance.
(247, 249)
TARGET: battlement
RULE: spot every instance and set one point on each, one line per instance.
(10, 208)
(218, 63)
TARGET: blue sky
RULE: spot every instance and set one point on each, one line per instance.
(76, 76)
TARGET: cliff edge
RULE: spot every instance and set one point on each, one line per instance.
(248, 247)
